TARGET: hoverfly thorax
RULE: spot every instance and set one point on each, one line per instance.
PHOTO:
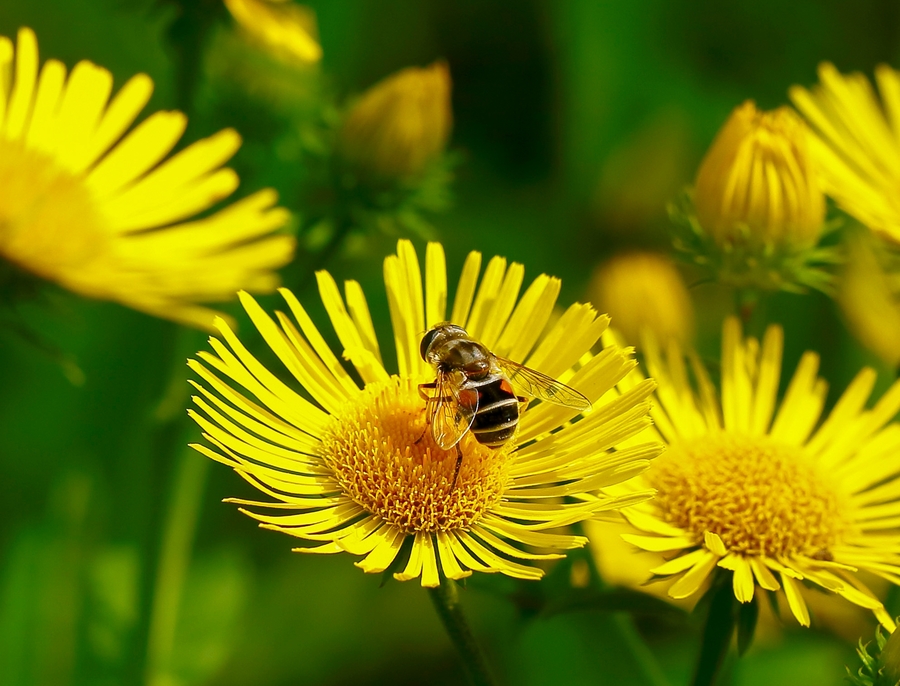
(473, 390)
(436, 340)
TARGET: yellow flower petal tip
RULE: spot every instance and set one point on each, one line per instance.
(759, 184)
(98, 209)
(856, 143)
(400, 125)
(287, 30)
(354, 467)
(769, 493)
(644, 293)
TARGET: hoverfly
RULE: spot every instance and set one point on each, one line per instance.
(474, 392)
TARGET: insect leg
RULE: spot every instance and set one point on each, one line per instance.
(458, 465)
(423, 388)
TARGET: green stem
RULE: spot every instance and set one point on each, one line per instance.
(174, 562)
(717, 633)
(188, 34)
(642, 656)
(178, 519)
(446, 601)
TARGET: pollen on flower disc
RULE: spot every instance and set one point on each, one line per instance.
(384, 458)
(760, 496)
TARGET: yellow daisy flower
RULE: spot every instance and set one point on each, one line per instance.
(286, 30)
(857, 143)
(768, 492)
(99, 211)
(355, 467)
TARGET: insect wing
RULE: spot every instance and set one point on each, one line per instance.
(542, 386)
(454, 410)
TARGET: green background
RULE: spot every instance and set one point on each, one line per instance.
(575, 121)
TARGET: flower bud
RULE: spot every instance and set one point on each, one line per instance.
(280, 27)
(400, 124)
(758, 184)
(644, 293)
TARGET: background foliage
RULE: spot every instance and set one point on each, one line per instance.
(576, 121)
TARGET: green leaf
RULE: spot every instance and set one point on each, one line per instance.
(717, 632)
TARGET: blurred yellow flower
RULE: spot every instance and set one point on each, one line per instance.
(763, 493)
(97, 210)
(355, 469)
(286, 30)
(644, 292)
(758, 184)
(400, 124)
(870, 302)
(857, 143)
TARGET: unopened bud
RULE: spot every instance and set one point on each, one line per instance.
(286, 30)
(400, 124)
(758, 184)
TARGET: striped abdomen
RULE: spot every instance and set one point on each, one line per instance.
(498, 410)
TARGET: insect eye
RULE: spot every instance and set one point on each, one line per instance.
(427, 340)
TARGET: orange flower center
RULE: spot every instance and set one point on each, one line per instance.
(386, 460)
(761, 497)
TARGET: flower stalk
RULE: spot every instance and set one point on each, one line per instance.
(717, 633)
(174, 563)
(179, 520)
(446, 601)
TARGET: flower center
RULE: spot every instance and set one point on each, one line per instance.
(761, 497)
(49, 224)
(386, 461)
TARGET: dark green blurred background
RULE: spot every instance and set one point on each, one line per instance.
(576, 121)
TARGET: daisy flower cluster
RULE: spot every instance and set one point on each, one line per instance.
(723, 471)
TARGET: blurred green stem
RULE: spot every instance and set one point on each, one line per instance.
(174, 562)
(178, 521)
(717, 632)
(640, 652)
(188, 34)
(446, 601)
